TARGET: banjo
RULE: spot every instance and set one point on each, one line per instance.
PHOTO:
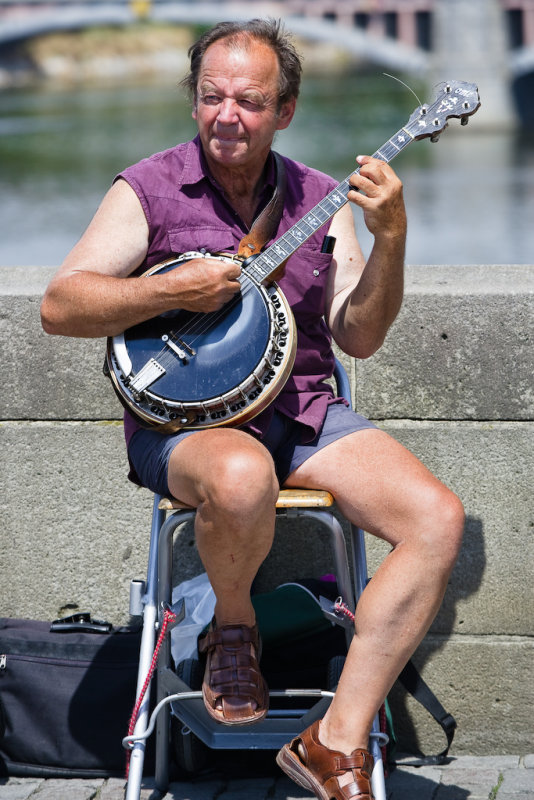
(193, 370)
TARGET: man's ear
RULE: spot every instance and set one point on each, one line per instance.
(194, 109)
(285, 115)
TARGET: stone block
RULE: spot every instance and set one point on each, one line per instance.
(485, 682)
(19, 788)
(461, 348)
(74, 530)
(487, 465)
(48, 377)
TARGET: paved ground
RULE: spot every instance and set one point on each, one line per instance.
(465, 778)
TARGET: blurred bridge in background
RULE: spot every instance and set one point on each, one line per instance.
(420, 37)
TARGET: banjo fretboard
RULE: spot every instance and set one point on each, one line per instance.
(266, 263)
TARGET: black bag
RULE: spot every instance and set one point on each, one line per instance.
(66, 696)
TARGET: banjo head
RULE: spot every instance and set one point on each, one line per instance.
(191, 370)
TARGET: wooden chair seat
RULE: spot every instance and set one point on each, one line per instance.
(287, 498)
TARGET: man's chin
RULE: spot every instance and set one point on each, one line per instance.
(228, 150)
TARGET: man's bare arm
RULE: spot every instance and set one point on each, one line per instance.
(363, 299)
(89, 296)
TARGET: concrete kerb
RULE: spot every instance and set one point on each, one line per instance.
(465, 778)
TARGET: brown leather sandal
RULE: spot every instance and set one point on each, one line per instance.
(234, 690)
(313, 766)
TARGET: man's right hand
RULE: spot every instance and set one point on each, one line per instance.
(204, 284)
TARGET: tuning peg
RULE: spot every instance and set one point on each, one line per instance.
(464, 120)
(435, 138)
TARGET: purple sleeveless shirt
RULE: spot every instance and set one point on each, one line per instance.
(186, 210)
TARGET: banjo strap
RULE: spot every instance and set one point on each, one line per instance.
(265, 225)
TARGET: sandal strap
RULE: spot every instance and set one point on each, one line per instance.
(358, 789)
(328, 765)
(229, 636)
(233, 664)
(358, 759)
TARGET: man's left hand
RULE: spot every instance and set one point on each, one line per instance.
(378, 192)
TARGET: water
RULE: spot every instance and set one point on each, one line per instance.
(470, 198)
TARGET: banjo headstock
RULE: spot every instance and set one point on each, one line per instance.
(454, 99)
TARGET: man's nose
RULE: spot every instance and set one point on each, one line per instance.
(228, 110)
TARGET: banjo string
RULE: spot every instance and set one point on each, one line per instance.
(203, 322)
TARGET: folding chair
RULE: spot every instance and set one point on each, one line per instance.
(150, 598)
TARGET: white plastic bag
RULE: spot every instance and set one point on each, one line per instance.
(199, 607)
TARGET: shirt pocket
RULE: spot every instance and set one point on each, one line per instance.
(305, 280)
(209, 238)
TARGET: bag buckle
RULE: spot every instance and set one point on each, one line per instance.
(80, 622)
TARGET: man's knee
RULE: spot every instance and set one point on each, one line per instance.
(444, 525)
(242, 480)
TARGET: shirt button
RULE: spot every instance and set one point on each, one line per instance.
(316, 272)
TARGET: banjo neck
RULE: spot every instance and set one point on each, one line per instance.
(262, 268)
(454, 99)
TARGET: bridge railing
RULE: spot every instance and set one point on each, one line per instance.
(408, 21)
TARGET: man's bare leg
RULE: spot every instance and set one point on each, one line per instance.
(229, 477)
(385, 490)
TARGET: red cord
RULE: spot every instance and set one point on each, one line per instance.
(168, 617)
(339, 605)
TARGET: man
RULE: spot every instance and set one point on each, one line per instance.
(206, 193)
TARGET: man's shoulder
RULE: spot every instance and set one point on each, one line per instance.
(163, 174)
(305, 186)
(302, 172)
(175, 156)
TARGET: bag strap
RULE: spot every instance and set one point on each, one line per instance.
(266, 223)
(412, 681)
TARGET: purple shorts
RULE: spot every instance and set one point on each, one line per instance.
(149, 450)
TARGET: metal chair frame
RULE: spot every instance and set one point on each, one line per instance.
(149, 599)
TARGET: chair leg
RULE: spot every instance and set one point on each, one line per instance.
(378, 782)
(359, 560)
(359, 563)
(164, 596)
(137, 756)
(339, 548)
(148, 638)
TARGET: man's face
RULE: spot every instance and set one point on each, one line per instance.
(236, 108)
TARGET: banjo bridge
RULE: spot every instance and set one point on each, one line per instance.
(181, 348)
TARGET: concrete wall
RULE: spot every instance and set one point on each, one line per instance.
(453, 382)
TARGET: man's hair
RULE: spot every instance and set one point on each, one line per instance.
(240, 34)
